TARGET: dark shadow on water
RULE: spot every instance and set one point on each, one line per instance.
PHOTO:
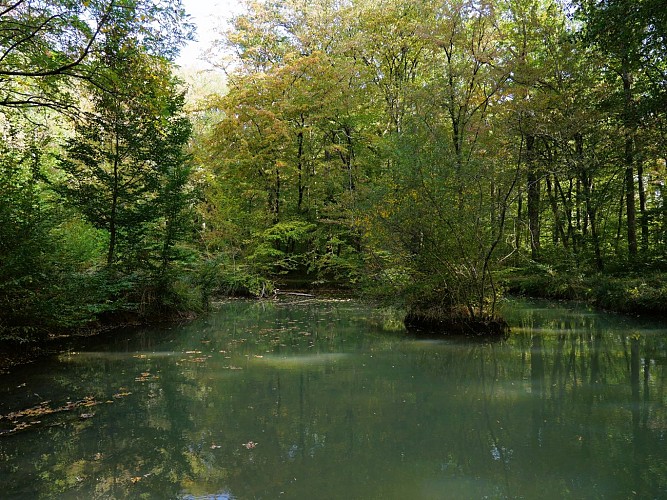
(455, 337)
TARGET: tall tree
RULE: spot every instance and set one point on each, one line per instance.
(46, 46)
(125, 148)
(618, 30)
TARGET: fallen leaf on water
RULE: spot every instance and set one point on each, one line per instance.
(145, 377)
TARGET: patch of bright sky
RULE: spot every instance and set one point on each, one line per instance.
(208, 16)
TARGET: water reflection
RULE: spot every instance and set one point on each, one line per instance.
(318, 401)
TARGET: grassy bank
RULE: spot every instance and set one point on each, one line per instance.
(629, 293)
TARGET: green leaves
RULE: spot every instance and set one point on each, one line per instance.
(46, 47)
(126, 167)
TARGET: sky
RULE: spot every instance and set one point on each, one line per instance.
(206, 15)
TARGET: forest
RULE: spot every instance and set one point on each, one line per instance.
(433, 156)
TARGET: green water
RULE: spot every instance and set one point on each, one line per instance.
(321, 400)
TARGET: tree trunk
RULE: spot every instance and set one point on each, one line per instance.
(350, 158)
(662, 239)
(629, 161)
(619, 226)
(112, 231)
(299, 167)
(533, 198)
(591, 212)
(630, 205)
(114, 204)
(558, 231)
(642, 197)
(518, 226)
(276, 197)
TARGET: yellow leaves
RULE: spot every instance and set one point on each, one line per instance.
(136, 479)
(195, 357)
(197, 360)
(89, 401)
(146, 377)
(25, 419)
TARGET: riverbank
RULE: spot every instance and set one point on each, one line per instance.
(20, 351)
(630, 294)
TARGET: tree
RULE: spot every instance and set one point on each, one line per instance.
(47, 46)
(451, 192)
(125, 163)
(625, 34)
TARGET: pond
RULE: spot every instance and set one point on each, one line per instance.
(329, 399)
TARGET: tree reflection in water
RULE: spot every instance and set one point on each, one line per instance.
(266, 400)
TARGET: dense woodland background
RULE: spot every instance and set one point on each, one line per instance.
(432, 155)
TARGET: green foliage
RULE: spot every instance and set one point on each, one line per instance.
(125, 168)
(415, 154)
(335, 257)
(52, 274)
(28, 273)
(219, 276)
(626, 293)
(323, 253)
(48, 46)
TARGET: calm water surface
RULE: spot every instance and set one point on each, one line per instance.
(320, 400)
